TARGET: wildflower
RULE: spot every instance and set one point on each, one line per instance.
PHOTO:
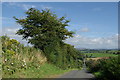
(25, 63)
(8, 69)
(5, 60)
(11, 63)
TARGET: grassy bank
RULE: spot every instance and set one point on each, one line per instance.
(44, 71)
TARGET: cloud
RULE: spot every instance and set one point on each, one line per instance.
(24, 6)
(11, 32)
(78, 41)
(27, 6)
(94, 42)
(45, 7)
(85, 29)
(14, 30)
(5, 18)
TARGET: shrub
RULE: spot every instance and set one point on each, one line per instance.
(108, 69)
(64, 56)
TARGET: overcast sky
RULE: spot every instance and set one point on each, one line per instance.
(95, 23)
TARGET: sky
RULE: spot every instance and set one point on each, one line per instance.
(95, 23)
(60, 0)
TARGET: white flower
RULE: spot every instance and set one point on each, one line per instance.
(11, 63)
(25, 63)
(5, 60)
(8, 69)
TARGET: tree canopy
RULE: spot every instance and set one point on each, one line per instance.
(42, 28)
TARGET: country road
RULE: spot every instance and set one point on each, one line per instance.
(78, 74)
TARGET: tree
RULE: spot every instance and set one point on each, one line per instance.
(43, 28)
(46, 31)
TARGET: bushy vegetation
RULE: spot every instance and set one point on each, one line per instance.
(105, 69)
(17, 57)
(64, 56)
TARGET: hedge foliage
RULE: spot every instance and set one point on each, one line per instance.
(105, 69)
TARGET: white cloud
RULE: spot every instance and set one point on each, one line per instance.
(5, 18)
(24, 6)
(45, 7)
(94, 43)
(14, 30)
(11, 32)
(85, 29)
(78, 41)
(27, 6)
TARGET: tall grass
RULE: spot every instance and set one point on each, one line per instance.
(45, 71)
(17, 57)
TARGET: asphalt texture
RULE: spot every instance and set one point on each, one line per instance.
(78, 74)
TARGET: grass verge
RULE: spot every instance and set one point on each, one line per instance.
(44, 71)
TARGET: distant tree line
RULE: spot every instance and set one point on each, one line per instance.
(100, 51)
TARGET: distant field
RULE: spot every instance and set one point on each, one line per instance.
(100, 55)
